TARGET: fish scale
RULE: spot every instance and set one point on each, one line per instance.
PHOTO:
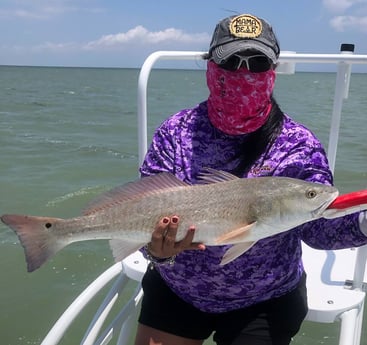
(223, 208)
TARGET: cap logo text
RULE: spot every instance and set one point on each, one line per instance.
(245, 26)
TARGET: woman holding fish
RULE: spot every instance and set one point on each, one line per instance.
(258, 294)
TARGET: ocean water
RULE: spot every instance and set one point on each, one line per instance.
(68, 134)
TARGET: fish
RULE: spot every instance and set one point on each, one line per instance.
(224, 209)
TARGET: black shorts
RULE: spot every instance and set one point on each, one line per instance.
(272, 322)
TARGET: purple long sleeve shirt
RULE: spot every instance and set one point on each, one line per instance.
(184, 144)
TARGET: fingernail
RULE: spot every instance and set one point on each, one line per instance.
(174, 219)
(201, 246)
(191, 228)
(165, 220)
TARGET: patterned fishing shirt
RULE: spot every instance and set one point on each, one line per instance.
(184, 144)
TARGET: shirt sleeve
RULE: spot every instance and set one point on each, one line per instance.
(307, 163)
(160, 155)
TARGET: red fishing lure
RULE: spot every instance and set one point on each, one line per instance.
(349, 200)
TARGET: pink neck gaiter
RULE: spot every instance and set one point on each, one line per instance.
(239, 101)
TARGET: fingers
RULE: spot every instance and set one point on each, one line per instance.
(163, 243)
(157, 241)
(170, 236)
(187, 241)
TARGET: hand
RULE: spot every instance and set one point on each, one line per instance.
(163, 243)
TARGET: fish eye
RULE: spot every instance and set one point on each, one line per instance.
(48, 225)
(310, 194)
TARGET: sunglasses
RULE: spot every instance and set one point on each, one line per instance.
(254, 63)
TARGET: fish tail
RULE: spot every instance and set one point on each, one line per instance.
(36, 236)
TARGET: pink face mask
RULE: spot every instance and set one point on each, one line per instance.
(239, 101)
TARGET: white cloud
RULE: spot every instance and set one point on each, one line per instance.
(340, 6)
(22, 13)
(344, 23)
(55, 47)
(351, 15)
(43, 9)
(140, 35)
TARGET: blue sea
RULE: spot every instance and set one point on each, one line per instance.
(69, 134)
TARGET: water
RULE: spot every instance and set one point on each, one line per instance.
(68, 134)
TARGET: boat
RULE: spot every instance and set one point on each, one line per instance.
(336, 292)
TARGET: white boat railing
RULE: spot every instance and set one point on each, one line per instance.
(329, 299)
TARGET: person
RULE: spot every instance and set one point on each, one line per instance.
(260, 297)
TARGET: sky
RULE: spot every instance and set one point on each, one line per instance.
(118, 33)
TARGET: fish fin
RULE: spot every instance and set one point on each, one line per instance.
(122, 249)
(236, 235)
(133, 190)
(235, 251)
(35, 236)
(209, 175)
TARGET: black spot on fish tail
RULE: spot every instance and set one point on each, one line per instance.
(33, 232)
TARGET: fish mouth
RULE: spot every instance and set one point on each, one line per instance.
(317, 213)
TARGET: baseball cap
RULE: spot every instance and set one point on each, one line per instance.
(242, 32)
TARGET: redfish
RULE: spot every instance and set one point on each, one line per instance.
(224, 209)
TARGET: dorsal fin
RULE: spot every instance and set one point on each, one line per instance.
(132, 190)
(209, 175)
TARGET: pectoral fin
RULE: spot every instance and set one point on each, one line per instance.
(235, 251)
(236, 235)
